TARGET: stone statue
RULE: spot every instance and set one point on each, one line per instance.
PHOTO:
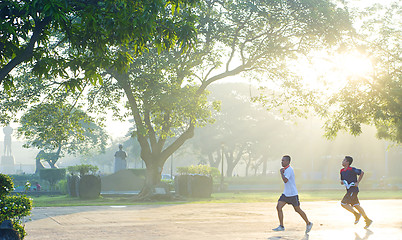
(50, 158)
(7, 140)
(120, 162)
(39, 164)
(7, 165)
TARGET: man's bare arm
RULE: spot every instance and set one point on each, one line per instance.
(360, 178)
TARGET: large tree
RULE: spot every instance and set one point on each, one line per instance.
(166, 90)
(375, 99)
(59, 36)
(59, 129)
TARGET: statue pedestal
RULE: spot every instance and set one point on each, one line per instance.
(7, 165)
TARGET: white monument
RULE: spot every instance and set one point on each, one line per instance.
(120, 162)
(7, 160)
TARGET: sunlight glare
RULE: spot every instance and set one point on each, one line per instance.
(354, 65)
(332, 73)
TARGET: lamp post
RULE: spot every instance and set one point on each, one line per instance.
(171, 166)
(222, 177)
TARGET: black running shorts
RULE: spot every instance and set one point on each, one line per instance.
(294, 200)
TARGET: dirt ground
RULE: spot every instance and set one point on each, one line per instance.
(214, 221)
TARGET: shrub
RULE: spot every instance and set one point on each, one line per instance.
(203, 170)
(13, 208)
(62, 186)
(83, 169)
(6, 185)
(21, 179)
(169, 183)
(72, 182)
(89, 187)
(52, 175)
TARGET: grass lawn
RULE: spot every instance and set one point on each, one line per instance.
(336, 195)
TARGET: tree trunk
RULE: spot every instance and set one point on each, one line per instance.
(152, 179)
(264, 166)
(229, 170)
(153, 149)
(247, 167)
(232, 161)
(212, 162)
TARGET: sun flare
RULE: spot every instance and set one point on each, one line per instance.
(353, 65)
(332, 73)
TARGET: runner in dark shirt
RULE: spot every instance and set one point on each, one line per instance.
(349, 179)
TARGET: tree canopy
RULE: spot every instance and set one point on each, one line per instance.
(375, 99)
(61, 128)
(80, 37)
(166, 90)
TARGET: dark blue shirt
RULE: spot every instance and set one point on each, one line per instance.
(350, 175)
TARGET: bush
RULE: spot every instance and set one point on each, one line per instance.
(89, 187)
(194, 185)
(72, 182)
(6, 185)
(62, 186)
(124, 180)
(21, 179)
(203, 170)
(52, 175)
(169, 183)
(13, 208)
(83, 169)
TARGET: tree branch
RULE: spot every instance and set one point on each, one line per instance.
(189, 133)
(27, 53)
(124, 83)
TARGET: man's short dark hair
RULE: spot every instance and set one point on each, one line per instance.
(287, 157)
(349, 159)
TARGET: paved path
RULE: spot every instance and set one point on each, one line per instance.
(214, 221)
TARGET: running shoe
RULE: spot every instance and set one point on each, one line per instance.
(279, 228)
(357, 215)
(308, 227)
(368, 223)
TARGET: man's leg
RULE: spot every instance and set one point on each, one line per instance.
(302, 214)
(349, 208)
(279, 207)
(309, 224)
(361, 211)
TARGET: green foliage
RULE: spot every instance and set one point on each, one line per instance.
(169, 183)
(376, 99)
(52, 175)
(61, 127)
(13, 207)
(204, 170)
(57, 36)
(89, 187)
(6, 185)
(83, 169)
(21, 179)
(62, 186)
(167, 90)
